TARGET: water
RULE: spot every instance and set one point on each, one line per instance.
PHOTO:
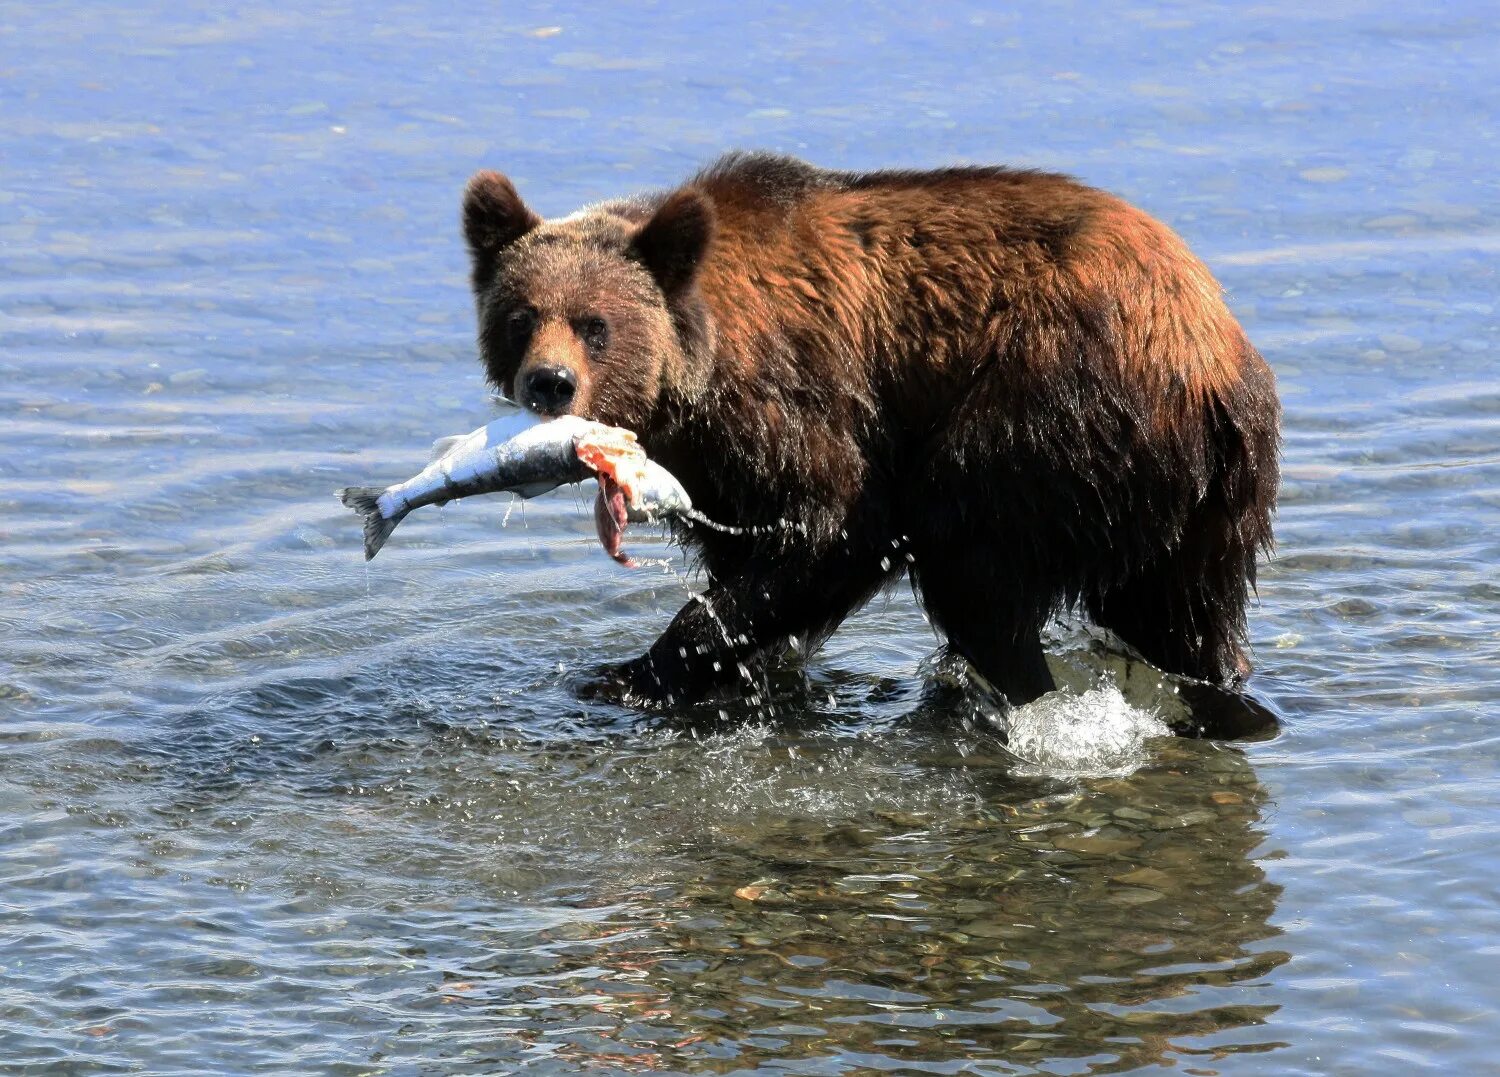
(264, 811)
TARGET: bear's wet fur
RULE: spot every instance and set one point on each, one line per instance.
(1019, 389)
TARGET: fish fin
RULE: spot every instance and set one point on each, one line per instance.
(443, 446)
(365, 500)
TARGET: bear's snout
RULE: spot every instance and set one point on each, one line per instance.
(548, 390)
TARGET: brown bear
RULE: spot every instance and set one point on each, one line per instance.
(1022, 391)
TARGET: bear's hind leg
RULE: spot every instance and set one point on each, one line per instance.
(1185, 613)
(992, 628)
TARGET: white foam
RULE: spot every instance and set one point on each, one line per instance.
(1097, 733)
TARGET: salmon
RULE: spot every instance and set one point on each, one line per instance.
(526, 456)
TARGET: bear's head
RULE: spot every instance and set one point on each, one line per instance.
(596, 314)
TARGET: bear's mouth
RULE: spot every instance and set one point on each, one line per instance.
(610, 519)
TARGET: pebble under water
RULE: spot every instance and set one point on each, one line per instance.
(266, 810)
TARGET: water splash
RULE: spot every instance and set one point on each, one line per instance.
(782, 524)
(757, 775)
(1094, 734)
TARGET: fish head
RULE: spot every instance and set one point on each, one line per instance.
(596, 314)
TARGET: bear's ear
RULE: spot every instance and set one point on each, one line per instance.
(672, 243)
(494, 218)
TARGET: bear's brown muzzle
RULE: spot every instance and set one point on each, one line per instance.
(553, 378)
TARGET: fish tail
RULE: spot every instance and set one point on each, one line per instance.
(365, 500)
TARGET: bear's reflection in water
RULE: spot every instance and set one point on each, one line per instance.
(992, 922)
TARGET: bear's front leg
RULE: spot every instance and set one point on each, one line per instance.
(718, 634)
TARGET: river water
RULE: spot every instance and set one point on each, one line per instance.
(264, 810)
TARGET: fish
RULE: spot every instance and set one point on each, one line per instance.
(633, 488)
(525, 455)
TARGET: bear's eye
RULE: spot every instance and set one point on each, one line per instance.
(518, 325)
(594, 332)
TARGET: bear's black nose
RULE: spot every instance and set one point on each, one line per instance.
(549, 389)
